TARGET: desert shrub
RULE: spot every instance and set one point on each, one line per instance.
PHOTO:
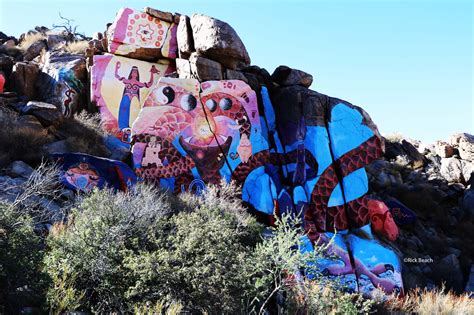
(84, 133)
(30, 39)
(20, 142)
(144, 251)
(123, 249)
(437, 301)
(77, 47)
(22, 281)
(158, 308)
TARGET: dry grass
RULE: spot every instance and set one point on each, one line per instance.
(436, 302)
(84, 134)
(394, 137)
(21, 142)
(29, 40)
(78, 47)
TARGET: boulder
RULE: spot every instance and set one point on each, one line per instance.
(466, 147)
(47, 114)
(256, 77)
(54, 40)
(470, 283)
(448, 270)
(141, 35)
(467, 202)
(404, 154)
(205, 69)
(63, 80)
(24, 77)
(19, 169)
(451, 170)
(34, 50)
(57, 147)
(285, 76)
(183, 67)
(31, 122)
(444, 149)
(6, 63)
(217, 40)
(467, 170)
(465, 144)
(234, 75)
(185, 37)
(164, 16)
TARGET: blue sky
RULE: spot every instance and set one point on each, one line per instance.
(408, 63)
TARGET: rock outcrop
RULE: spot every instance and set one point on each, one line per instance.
(184, 108)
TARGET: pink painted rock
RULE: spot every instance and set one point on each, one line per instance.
(119, 87)
(139, 35)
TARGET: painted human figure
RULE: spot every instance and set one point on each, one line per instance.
(131, 90)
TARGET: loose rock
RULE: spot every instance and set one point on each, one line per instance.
(217, 40)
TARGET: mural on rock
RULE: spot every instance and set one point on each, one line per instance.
(84, 172)
(119, 87)
(139, 35)
(343, 140)
(303, 155)
(62, 82)
(185, 139)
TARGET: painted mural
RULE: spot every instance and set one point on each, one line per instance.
(84, 172)
(119, 87)
(138, 35)
(304, 155)
(62, 82)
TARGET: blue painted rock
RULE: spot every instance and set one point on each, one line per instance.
(84, 172)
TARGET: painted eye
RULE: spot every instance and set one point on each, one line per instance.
(211, 104)
(169, 93)
(225, 103)
(188, 102)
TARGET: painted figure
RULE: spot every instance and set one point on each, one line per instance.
(82, 176)
(131, 90)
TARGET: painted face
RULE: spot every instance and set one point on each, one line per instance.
(382, 220)
(82, 176)
(134, 74)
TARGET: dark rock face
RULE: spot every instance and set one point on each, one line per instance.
(405, 154)
(217, 40)
(47, 114)
(34, 50)
(24, 79)
(285, 76)
(449, 269)
(205, 69)
(19, 169)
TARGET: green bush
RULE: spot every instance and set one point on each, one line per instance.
(22, 281)
(120, 250)
(144, 251)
